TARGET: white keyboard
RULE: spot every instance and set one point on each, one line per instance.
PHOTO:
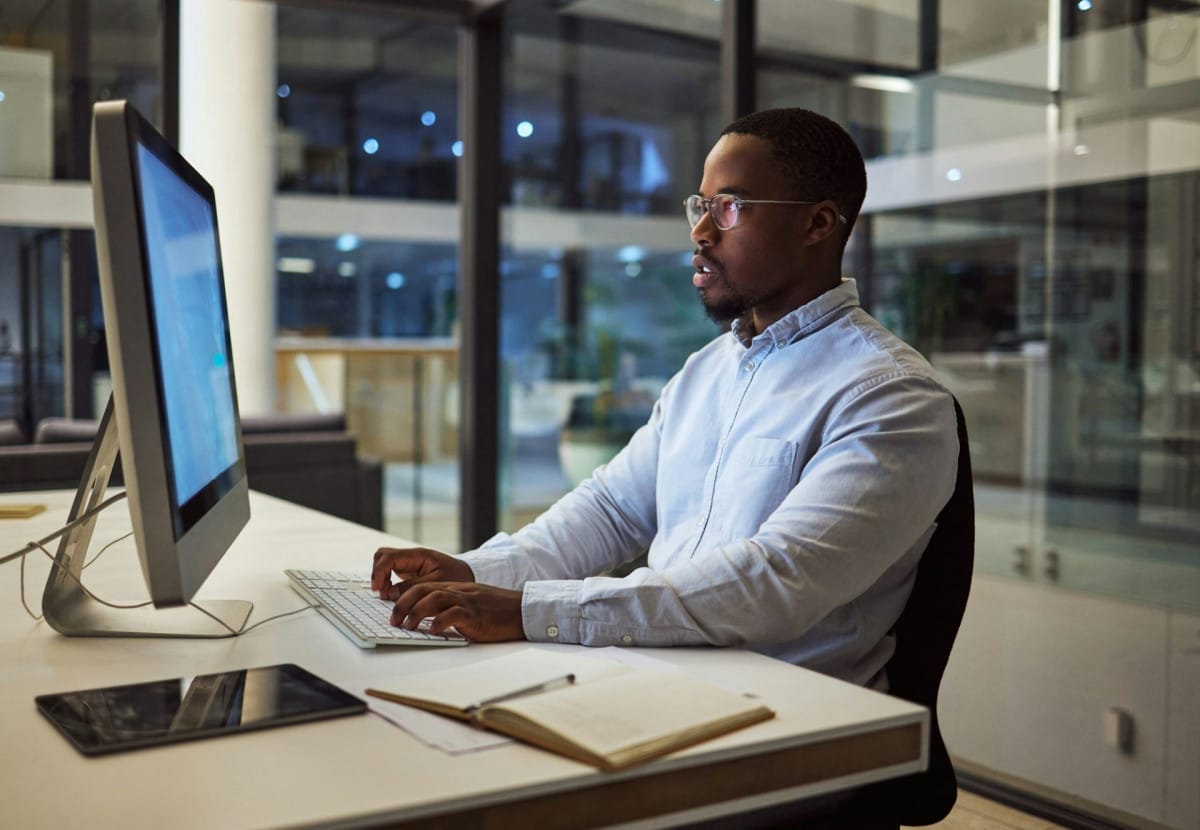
(347, 601)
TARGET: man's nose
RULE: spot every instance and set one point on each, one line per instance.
(704, 232)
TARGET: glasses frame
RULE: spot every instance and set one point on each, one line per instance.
(738, 201)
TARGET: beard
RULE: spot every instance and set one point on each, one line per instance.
(722, 301)
(729, 306)
(725, 310)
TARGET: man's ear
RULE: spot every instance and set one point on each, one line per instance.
(822, 223)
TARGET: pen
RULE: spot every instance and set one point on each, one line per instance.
(565, 680)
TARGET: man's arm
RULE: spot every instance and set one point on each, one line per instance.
(604, 522)
(868, 495)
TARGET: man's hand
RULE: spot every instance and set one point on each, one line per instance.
(482, 613)
(414, 566)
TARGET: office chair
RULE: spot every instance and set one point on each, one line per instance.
(925, 634)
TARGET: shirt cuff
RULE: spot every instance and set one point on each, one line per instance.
(550, 610)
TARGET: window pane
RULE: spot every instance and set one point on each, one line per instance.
(32, 382)
(597, 312)
(57, 58)
(367, 104)
(1030, 225)
(574, 135)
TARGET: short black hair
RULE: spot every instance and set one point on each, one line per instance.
(815, 153)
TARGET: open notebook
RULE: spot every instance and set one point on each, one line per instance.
(603, 713)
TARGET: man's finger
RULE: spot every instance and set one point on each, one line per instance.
(430, 605)
(456, 617)
(410, 595)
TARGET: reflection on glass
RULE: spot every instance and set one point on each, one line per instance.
(1030, 225)
(48, 89)
(588, 142)
(590, 338)
(368, 329)
(623, 101)
(32, 379)
(1079, 374)
(367, 103)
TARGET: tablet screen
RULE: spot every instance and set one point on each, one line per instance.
(117, 718)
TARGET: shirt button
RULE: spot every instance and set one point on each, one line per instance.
(626, 639)
(552, 631)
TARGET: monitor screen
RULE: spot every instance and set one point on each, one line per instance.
(190, 328)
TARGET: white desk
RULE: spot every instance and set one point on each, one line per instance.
(361, 771)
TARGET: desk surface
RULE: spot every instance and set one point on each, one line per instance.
(361, 771)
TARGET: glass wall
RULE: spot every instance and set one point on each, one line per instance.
(366, 285)
(368, 104)
(58, 57)
(598, 309)
(1031, 226)
(31, 331)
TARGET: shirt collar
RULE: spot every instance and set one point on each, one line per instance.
(803, 320)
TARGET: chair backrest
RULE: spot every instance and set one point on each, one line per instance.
(925, 634)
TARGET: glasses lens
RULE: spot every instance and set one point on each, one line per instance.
(724, 210)
(694, 208)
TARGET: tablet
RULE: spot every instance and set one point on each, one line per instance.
(117, 718)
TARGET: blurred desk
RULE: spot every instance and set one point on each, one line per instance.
(399, 394)
(360, 771)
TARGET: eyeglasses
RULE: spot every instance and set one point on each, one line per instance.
(726, 209)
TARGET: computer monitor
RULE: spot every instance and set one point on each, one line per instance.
(173, 413)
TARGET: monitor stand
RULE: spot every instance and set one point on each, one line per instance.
(69, 610)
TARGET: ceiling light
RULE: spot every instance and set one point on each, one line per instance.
(295, 265)
(631, 253)
(883, 83)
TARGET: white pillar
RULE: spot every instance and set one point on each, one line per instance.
(227, 131)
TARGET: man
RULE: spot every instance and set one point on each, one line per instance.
(790, 473)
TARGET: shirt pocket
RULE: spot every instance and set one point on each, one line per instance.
(758, 475)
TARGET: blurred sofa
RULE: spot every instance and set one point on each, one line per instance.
(307, 459)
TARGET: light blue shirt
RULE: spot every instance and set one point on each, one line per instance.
(784, 488)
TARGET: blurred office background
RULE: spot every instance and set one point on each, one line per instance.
(1031, 225)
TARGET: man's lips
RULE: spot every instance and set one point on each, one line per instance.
(706, 271)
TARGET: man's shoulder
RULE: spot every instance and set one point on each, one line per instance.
(878, 348)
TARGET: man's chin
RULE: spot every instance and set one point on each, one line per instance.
(720, 310)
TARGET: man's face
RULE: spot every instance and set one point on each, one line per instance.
(758, 264)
